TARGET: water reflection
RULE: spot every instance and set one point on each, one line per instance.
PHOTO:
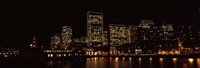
(150, 61)
(174, 62)
(126, 62)
(140, 62)
(110, 58)
(116, 64)
(185, 65)
(123, 62)
(191, 61)
(123, 58)
(95, 62)
(130, 63)
(198, 62)
(174, 59)
(116, 59)
(161, 62)
(130, 58)
(50, 63)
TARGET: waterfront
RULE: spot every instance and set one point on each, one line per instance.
(104, 62)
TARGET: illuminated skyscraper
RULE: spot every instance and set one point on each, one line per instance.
(66, 36)
(118, 34)
(55, 41)
(33, 44)
(95, 29)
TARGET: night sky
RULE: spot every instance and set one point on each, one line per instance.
(20, 21)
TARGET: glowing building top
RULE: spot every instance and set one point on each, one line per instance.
(167, 27)
(33, 44)
(146, 23)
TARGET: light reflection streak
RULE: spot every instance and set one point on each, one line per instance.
(95, 62)
(101, 59)
(150, 59)
(161, 62)
(116, 62)
(127, 62)
(174, 62)
(140, 62)
(123, 58)
(116, 59)
(130, 62)
(191, 60)
(124, 63)
(198, 62)
(185, 65)
(50, 63)
(130, 58)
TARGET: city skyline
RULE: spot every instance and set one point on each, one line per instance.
(45, 25)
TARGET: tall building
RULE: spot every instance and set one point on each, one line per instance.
(33, 44)
(66, 37)
(55, 42)
(95, 29)
(146, 26)
(132, 33)
(118, 34)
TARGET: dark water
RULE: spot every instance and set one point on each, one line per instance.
(103, 62)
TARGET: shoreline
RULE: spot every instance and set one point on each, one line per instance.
(84, 57)
(135, 56)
